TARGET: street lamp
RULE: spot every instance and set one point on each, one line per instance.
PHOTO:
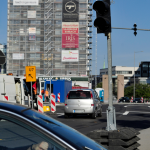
(134, 72)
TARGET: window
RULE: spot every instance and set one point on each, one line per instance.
(79, 95)
(17, 135)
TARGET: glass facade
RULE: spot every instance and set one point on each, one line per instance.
(35, 38)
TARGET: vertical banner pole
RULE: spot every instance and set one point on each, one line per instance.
(31, 94)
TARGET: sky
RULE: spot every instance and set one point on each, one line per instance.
(124, 13)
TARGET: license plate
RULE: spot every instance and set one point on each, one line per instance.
(78, 111)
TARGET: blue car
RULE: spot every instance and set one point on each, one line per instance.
(22, 128)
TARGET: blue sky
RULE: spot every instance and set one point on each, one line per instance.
(124, 13)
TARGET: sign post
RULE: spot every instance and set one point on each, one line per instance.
(31, 77)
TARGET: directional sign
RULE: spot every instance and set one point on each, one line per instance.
(30, 73)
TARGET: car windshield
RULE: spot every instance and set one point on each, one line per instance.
(79, 95)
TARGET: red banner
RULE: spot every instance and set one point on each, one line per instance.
(70, 40)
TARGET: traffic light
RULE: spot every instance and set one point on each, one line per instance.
(135, 33)
(103, 16)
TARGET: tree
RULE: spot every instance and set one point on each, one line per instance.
(99, 85)
(141, 90)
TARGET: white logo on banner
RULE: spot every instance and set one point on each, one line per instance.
(70, 7)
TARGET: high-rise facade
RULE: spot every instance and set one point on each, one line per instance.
(38, 35)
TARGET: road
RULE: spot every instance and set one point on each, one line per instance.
(127, 115)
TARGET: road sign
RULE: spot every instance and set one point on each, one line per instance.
(30, 73)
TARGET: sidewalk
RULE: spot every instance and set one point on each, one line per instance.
(144, 139)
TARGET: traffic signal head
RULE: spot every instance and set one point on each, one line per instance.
(103, 18)
(135, 33)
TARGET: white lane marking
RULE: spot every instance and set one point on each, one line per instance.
(148, 106)
(126, 112)
(125, 106)
(60, 114)
(140, 112)
(115, 112)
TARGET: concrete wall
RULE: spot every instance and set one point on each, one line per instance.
(120, 86)
(105, 86)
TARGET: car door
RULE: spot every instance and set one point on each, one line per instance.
(18, 133)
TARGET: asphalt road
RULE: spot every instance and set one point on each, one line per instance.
(127, 115)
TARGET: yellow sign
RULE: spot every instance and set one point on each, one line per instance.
(30, 73)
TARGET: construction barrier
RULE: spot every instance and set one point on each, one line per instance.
(58, 97)
(6, 98)
(40, 103)
(131, 99)
(53, 103)
(141, 99)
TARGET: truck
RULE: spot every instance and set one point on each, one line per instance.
(13, 89)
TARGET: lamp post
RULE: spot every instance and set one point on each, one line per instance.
(134, 73)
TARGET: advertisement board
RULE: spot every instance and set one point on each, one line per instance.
(70, 27)
(70, 55)
(31, 14)
(70, 40)
(18, 56)
(32, 34)
(70, 11)
(25, 2)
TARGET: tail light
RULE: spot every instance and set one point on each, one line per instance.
(65, 104)
(91, 95)
(92, 104)
(67, 96)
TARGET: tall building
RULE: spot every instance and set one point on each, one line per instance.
(3, 48)
(52, 35)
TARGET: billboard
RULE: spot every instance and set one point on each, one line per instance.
(25, 2)
(70, 11)
(70, 40)
(18, 56)
(70, 55)
(70, 27)
(32, 34)
(31, 14)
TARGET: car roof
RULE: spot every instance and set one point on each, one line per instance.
(82, 89)
(59, 129)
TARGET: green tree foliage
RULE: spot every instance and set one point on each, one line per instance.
(141, 90)
(99, 85)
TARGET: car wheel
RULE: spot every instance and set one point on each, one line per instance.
(94, 115)
(100, 114)
(66, 115)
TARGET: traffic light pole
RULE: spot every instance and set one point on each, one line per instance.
(111, 117)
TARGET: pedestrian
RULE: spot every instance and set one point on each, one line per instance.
(47, 95)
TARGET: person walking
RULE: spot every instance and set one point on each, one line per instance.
(47, 95)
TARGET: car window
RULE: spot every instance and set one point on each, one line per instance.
(79, 95)
(15, 135)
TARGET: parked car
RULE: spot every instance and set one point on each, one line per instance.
(124, 100)
(22, 128)
(83, 101)
(137, 100)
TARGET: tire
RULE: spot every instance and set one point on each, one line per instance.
(66, 115)
(94, 115)
(100, 114)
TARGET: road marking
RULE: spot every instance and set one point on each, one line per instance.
(60, 114)
(148, 106)
(115, 112)
(125, 106)
(140, 112)
(126, 112)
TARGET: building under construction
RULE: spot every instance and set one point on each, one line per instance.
(52, 35)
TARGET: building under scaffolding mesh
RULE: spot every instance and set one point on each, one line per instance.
(35, 38)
